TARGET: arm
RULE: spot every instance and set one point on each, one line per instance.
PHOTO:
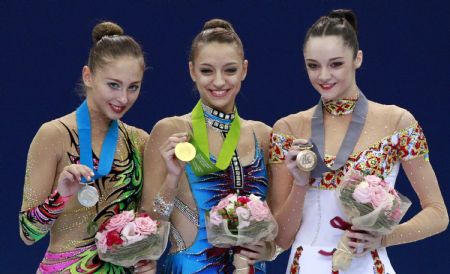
(287, 197)
(433, 218)
(42, 204)
(162, 171)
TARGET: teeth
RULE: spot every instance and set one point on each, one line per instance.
(116, 108)
(327, 85)
(218, 92)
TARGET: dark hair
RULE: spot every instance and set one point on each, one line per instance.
(109, 42)
(215, 30)
(340, 23)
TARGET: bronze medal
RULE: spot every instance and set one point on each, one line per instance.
(306, 160)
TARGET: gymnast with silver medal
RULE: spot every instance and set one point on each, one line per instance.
(88, 195)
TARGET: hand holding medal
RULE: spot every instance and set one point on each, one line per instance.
(300, 160)
(70, 179)
(306, 159)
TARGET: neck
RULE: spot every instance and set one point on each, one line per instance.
(99, 122)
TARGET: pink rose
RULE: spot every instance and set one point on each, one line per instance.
(362, 193)
(244, 216)
(373, 180)
(145, 225)
(223, 203)
(130, 234)
(379, 196)
(353, 176)
(101, 241)
(396, 214)
(215, 218)
(117, 222)
(258, 210)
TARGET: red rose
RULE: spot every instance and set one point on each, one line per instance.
(113, 237)
(143, 214)
(103, 226)
(243, 199)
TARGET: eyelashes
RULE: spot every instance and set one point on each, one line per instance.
(314, 66)
(116, 86)
(228, 71)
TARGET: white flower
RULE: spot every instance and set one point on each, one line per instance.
(230, 207)
(233, 198)
(130, 234)
(254, 197)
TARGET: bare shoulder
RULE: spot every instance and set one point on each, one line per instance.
(171, 125)
(260, 128)
(295, 123)
(398, 117)
(59, 126)
(135, 131)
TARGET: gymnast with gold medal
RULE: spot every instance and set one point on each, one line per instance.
(195, 160)
(86, 166)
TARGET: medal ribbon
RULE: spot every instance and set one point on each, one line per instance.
(108, 147)
(351, 136)
(202, 164)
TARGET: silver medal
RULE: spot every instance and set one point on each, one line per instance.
(88, 195)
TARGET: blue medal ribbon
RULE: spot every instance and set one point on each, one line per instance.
(85, 141)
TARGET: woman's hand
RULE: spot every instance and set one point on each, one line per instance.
(145, 266)
(361, 242)
(301, 178)
(174, 166)
(261, 251)
(70, 178)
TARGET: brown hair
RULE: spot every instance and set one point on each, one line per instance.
(110, 42)
(215, 30)
(342, 23)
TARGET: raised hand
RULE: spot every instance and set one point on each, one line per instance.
(70, 178)
(167, 150)
(301, 178)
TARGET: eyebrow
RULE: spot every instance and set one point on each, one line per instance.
(117, 80)
(227, 64)
(332, 59)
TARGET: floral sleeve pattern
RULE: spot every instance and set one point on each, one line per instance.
(411, 143)
(380, 158)
(279, 146)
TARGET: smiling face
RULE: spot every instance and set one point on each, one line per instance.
(113, 88)
(331, 67)
(218, 70)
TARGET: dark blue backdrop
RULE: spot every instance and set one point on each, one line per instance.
(44, 45)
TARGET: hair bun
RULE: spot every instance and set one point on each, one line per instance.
(105, 29)
(348, 15)
(218, 23)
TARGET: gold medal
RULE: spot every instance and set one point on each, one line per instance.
(185, 151)
(306, 159)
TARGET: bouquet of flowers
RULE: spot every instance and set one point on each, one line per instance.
(240, 220)
(127, 238)
(370, 204)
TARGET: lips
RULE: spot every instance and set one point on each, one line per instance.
(117, 109)
(218, 93)
(327, 86)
